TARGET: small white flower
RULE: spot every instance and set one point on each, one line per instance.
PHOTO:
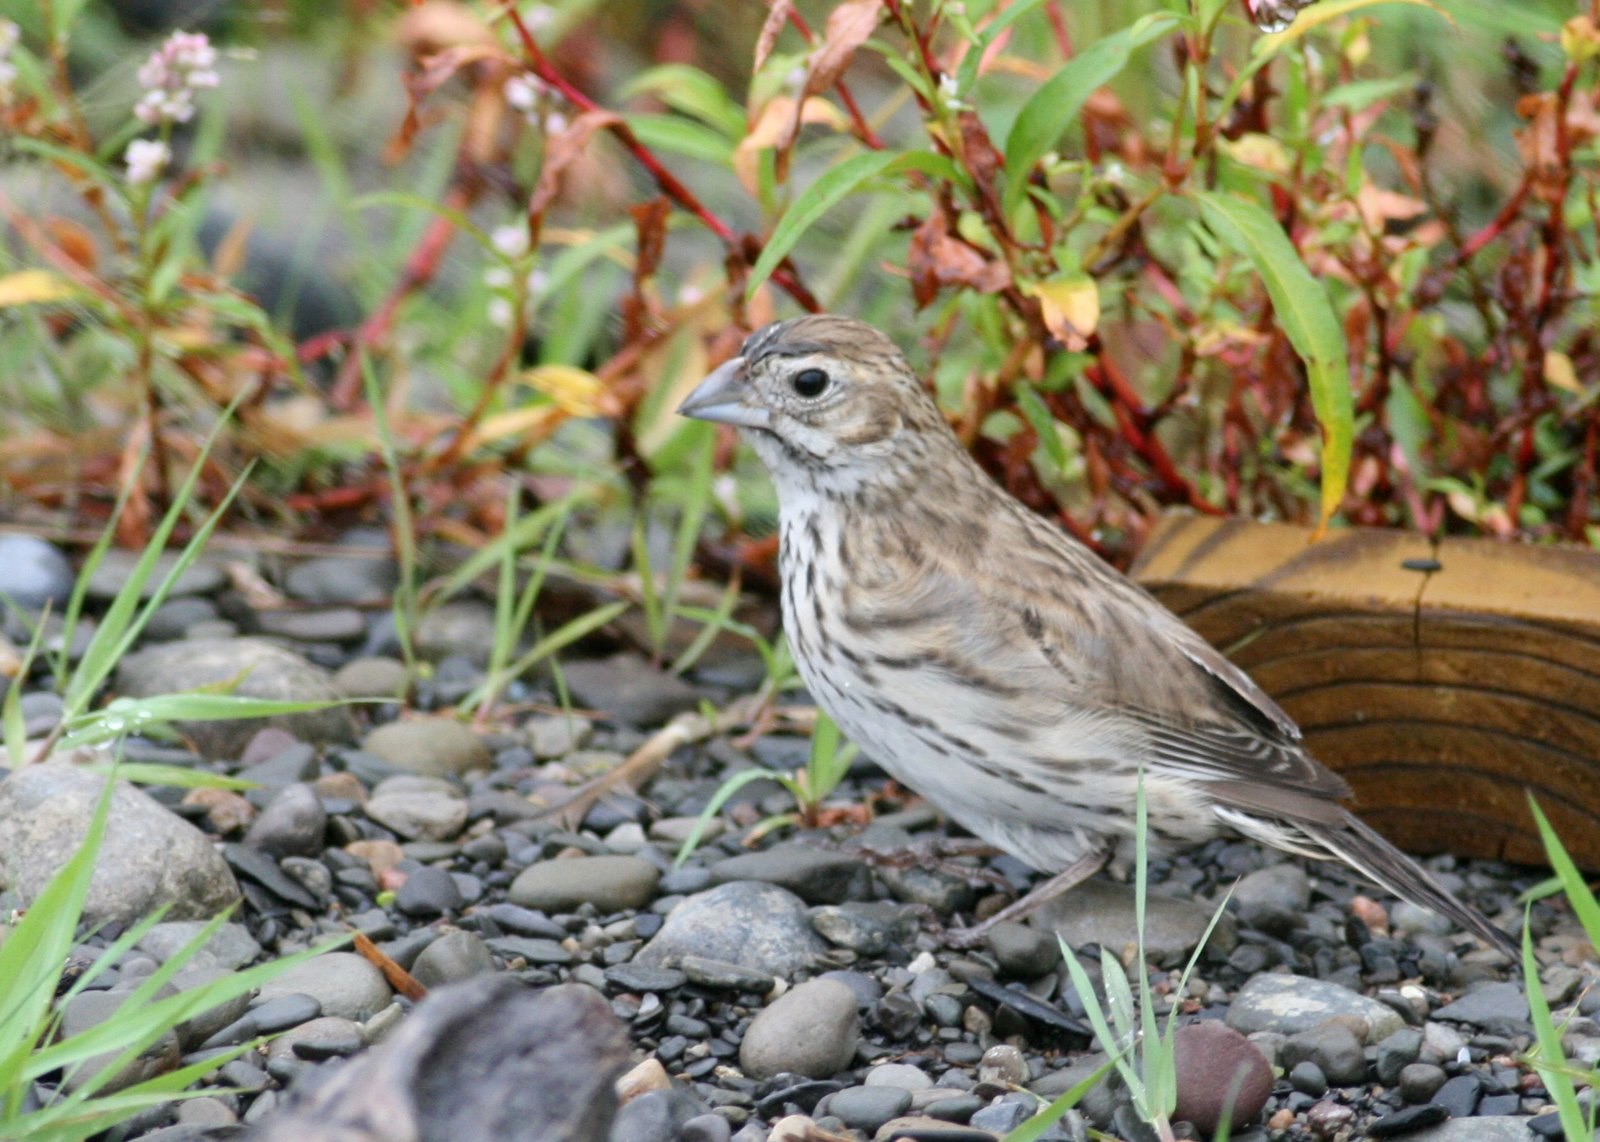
(538, 281)
(539, 17)
(500, 312)
(184, 64)
(555, 123)
(497, 277)
(146, 158)
(512, 241)
(522, 92)
(796, 79)
(690, 295)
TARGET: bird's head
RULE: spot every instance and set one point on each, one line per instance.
(824, 400)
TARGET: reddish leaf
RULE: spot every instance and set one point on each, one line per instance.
(561, 152)
(938, 258)
(777, 17)
(849, 25)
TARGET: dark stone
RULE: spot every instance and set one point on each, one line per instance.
(485, 1058)
(1406, 1120)
(1218, 1071)
(1459, 1096)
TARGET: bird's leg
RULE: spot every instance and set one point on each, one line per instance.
(1067, 879)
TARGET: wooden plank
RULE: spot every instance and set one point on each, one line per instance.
(1442, 680)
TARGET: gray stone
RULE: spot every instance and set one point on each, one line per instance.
(1294, 1003)
(230, 946)
(628, 688)
(1396, 1052)
(418, 808)
(453, 956)
(345, 984)
(706, 1128)
(150, 858)
(1419, 1082)
(208, 1021)
(321, 1037)
(556, 735)
(1102, 912)
(463, 628)
(386, 679)
(814, 875)
(435, 747)
(943, 892)
(724, 976)
(1499, 1007)
(868, 1107)
(761, 927)
(291, 825)
(655, 1116)
(33, 573)
(342, 579)
(610, 883)
(1408, 919)
(428, 892)
(175, 617)
(1333, 1047)
(1023, 951)
(261, 669)
(1274, 899)
(811, 1030)
(116, 567)
(1003, 1064)
(899, 1076)
(865, 926)
(324, 624)
(88, 1010)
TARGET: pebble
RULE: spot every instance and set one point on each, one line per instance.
(760, 927)
(90, 1009)
(1333, 1047)
(1459, 1095)
(1023, 952)
(1395, 1053)
(1406, 1120)
(1419, 1082)
(375, 677)
(628, 688)
(292, 824)
(868, 1107)
(1218, 1072)
(345, 984)
(1500, 1007)
(1294, 1003)
(810, 1030)
(342, 579)
(610, 883)
(251, 668)
(34, 573)
(1274, 899)
(814, 875)
(453, 956)
(418, 808)
(230, 946)
(1102, 912)
(433, 747)
(428, 892)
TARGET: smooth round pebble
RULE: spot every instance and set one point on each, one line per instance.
(810, 1030)
(610, 883)
(868, 1107)
(1215, 1066)
(347, 986)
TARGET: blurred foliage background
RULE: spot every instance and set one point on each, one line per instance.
(1147, 254)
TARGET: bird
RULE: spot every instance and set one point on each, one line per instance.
(993, 664)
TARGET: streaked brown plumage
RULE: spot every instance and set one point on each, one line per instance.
(992, 663)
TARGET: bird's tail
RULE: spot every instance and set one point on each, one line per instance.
(1363, 849)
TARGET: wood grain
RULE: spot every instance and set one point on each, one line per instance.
(1444, 681)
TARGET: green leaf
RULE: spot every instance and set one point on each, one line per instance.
(679, 136)
(829, 190)
(691, 91)
(1303, 309)
(1052, 1114)
(1584, 905)
(1044, 425)
(1550, 1061)
(1057, 102)
(714, 806)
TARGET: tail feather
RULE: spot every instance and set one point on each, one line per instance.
(1359, 846)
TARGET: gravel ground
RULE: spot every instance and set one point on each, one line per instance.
(792, 989)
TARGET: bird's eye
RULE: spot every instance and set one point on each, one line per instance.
(810, 382)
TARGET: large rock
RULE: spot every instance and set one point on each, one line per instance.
(1290, 1004)
(150, 857)
(486, 1058)
(263, 670)
(809, 1031)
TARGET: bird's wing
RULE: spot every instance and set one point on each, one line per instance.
(1058, 624)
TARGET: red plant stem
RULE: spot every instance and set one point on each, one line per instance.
(858, 122)
(418, 272)
(783, 276)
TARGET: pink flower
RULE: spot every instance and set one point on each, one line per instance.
(186, 63)
(146, 158)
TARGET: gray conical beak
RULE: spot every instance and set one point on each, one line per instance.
(724, 397)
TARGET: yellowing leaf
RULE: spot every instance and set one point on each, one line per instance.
(1262, 152)
(772, 125)
(1070, 306)
(1580, 39)
(524, 425)
(1559, 373)
(26, 287)
(1328, 10)
(575, 391)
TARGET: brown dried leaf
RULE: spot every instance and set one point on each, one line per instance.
(230, 254)
(73, 239)
(849, 26)
(1070, 306)
(777, 17)
(771, 125)
(938, 258)
(562, 151)
(650, 222)
(435, 25)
